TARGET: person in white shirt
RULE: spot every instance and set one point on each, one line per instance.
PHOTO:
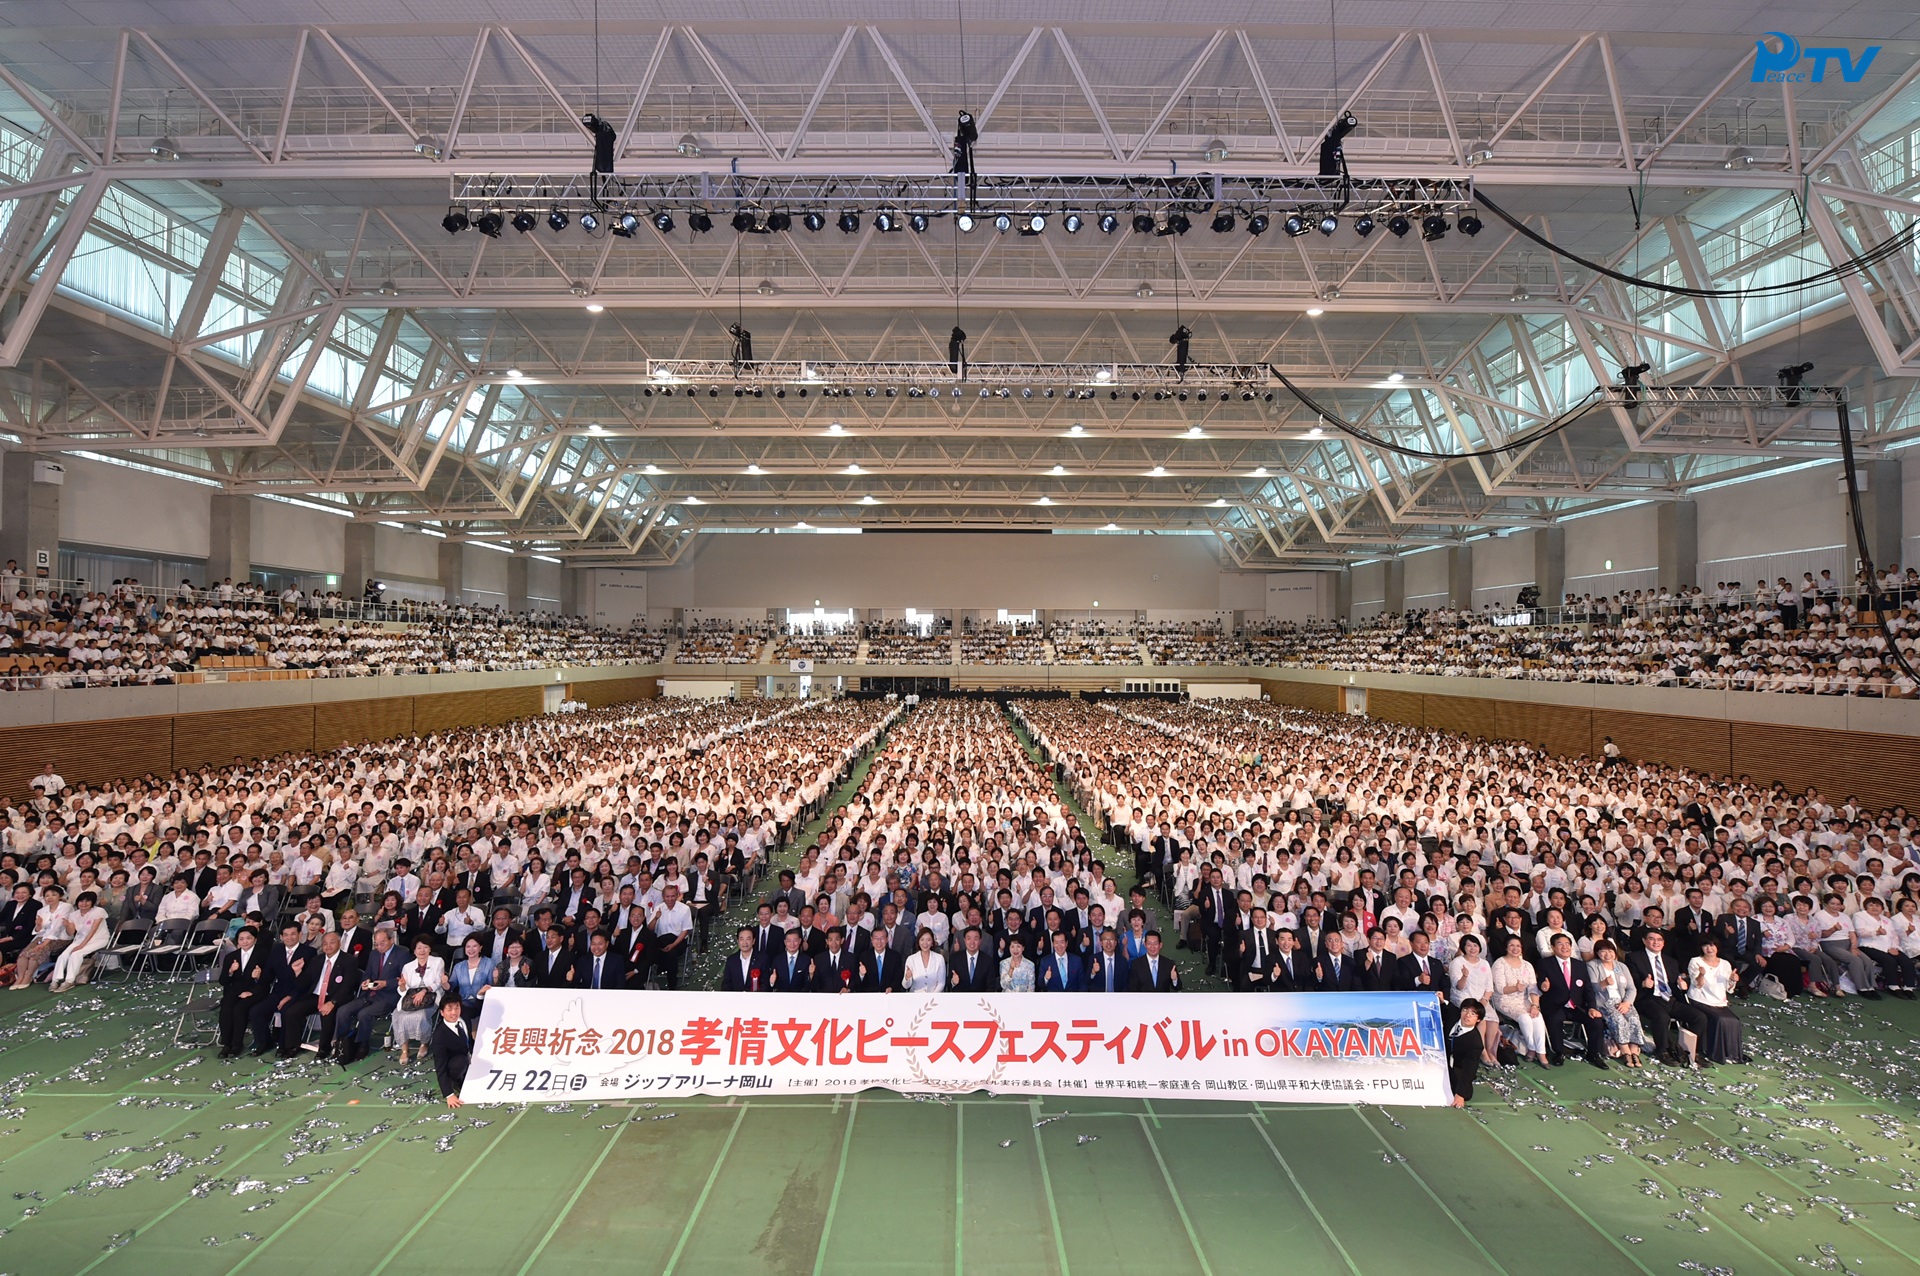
(178, 904)
(671, 922)
(1873, 931)
(461, 920)
(90, 935)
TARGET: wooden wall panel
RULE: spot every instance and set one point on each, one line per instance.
(1699, 744)
(475, 708)
(1562, 729)
(1460, 713)
(215, 739)
(84, 752)
(1880, 770)
(1408, 708)
(342, 722)
(1323, 696)
(615, 691)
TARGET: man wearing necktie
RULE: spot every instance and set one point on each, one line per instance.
(1289, 965)
(1213, 917)
(974, 969)
(1662, 1001)
(1106, 972)
(600, 967)
(333, 986)
(1567, 1001)
(880, 972)
(832, 972)
(1154, 972)
(1061, 969)
(1255, 965)
(794, 971)
(1739, 937)
(1339, 969)
(452, 1050)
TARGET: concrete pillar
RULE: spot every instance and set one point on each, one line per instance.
(358, 568)
(1880, 510)
(1343, 595)
(517, 584)
(30, 487)
(1550, 565)
(576, 591)
(453, 570)
(1677, 537)
(229, 538)
(1396, 585)
(1460, 577)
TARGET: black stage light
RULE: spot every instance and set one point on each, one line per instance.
(589, 222)
(1329, 223)
(626, 223)
(1433, 226)
(1333, 155)
(454, 222)
(557, 219)
(1073, 222)
(490, 223)
(1399, 225)
(1143, 223)
(699, 221)
(917, 222)
(1033, 225)
(662, 222)
(1109, 222)
(1469, 223)
(1295, 225)
(1258, 223)
(779, 221)
(1177, 224)
(885, 221)
(1002, 223)
(603, 140)
(1223, 223)
(964, 221)
(743, 221)
(850, 222)
(813, 221)
(524, 221)
(1364, 225)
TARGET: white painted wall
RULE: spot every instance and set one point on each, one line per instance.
(543, 585)
(1369, 590)
(1628, 538)
(294, 538)
(1774, 527)
(615, 596)
(483, 576)
(1297, 596)
(405, 555)
(114, 507)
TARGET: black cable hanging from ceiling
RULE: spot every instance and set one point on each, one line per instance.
(1871, 596)
(1594, 398)
(1852, 265)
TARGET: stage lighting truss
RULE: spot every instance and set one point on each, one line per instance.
(1112, 202)
(980, 380)
(1691, 418)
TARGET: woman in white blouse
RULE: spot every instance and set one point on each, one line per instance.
(1711, 979)
(422, 980)
(51, 931)
(926, 968)
(535, 885)
(90, 935)
(1471, 976)
(934, 920)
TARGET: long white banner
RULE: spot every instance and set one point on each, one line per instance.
(541, 1044)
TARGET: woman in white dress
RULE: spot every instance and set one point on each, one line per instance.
(1516, 996)
(1471, 977)
(90, 935)
(422, 980)
(1711, 978)
(926, 968)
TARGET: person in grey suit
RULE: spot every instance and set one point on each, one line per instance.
(379, 993)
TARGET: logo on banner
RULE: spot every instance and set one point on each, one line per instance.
(1770, 67)
(956, 1073)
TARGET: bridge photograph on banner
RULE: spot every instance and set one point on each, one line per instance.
(539, 1044)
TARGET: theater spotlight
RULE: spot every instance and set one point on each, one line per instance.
(1333, 155)
(1073, 222)
(662, 222)
(589, 222)
(1177, 224)
(965, 222)
(1469, 223)
(917, 222)
(1223, 222)
(455, 221)
(1433, 226)
(603, 140)
(1258, 223)
(1329, 223)
(743, 221)
(850, 223)
(626, 223)
(1142, 223)
(1034, 224)
(557, 219)
(1109, 222)
(885, 221)
(1295, 225)
(1364, 225)
(1399, 225)
(524, 221)
(490, 223)
(699, 221)
(1002, 223)
(813, 221)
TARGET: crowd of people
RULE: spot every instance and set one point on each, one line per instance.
(122, 635)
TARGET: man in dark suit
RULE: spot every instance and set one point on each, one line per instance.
(1257, 956)
(1153, 972)
(1339, 970)
(1739, 937)
(574, 899)
(289, 966)
(452, 1048)
(792, 970)
(1692, 923)
(742, 972)
(1060, 970)
(553, 965)
(476, 881)
(1420, 971)
(1379, 967)
(1653, 919)
(334, 977)
(242, 984)
(379, 993)
(600, 967)
(1661, 999)
(1292, 968)
(881, 969)
(356, 939)
(1312, 935)
(636, 944)
(835, 969)
(813, 939)
(499, 933)
(1567, 998)
(1215, 905)
(1107, 970)
(973, 968)
(202, 877)
(768, 939)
